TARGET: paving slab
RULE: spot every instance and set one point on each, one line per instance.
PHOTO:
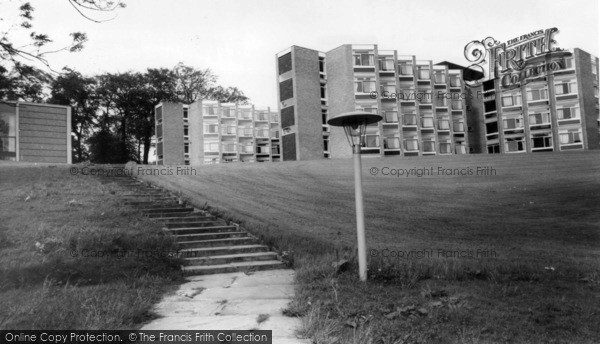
(232, 301)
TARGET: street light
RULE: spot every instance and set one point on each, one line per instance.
(355, 124)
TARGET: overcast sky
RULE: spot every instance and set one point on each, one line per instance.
(238, 39)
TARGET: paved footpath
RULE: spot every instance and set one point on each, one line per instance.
(232, 301)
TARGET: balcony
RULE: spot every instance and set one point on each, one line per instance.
(245, 132)
(261, 117)
(262, 133)
(229, 130)
(210, 111)
(246, 148)
(245, 115)
(411, 145)
(228, 113)
(274, 118)
(443, 124)
(212, 147)
(458, 127)
(229, 148)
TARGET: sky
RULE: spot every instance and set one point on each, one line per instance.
(238, 39)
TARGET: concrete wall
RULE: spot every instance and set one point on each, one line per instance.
(340, 85)
(586, 81)
(43, 132)
(172, 133)
(309, 138)
(196, 131)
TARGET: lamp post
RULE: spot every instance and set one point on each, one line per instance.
(355, 124)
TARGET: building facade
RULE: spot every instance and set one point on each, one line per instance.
(553, 111)
(207, 132)
(427, 109)
(423, 105)
(35, 132)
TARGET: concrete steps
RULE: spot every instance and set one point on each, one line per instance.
(233, 267)
(207, 244)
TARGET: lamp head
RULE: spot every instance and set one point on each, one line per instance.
(354, 124)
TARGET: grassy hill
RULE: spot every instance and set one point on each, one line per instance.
(534, 216)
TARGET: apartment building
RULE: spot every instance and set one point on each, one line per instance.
(423, 105)
(208, 132)
(553, 111)
(302, 95)
(35, 132)
(428, 110)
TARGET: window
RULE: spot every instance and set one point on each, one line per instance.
(210, 110)
(440, 101)
(423, 73)
(458, 127)
(569, 63)
(185, 113)
(211, 128)
(512, 121)
(321, 65)
(491, 128)
(389, 87)
(460, 148)
(411, 144)
(227, 112)
(391, 117)
(539, 118)
(364, 86)
(427, 122)
(424, 96)
(570, 136)
(568, 112)
(455, 81)
(428, 145)
(515, 144)
(457, 105)
(364, 59)
(211, 146)
(493, 148)
(541, 140)
(511, 99)
(391, 143)
(405, 69)
(371, 141)
(409, 119)
(439, 77)
(323, 92)
(565, 86)
(445, 147)
(186, 148)
(186, 131)
(537, 94)
(386, 64)
(443, 124)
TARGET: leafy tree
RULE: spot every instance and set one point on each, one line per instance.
(73, 89)
(227, 95)
(40, 44)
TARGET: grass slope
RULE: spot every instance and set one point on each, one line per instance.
(53, 227)
(536, 217)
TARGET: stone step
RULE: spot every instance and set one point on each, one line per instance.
(180, 238)
(166, 208)
(148, 203)
(128, 198)
(181, 214)
(248, 240)
(200, 230)
(190, 224)
(194, 217)
(232, 258)
(221, 250)
(232, 267)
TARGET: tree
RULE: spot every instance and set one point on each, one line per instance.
(227, 95)
(192, 84)
(79, 92)
(40, 44)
